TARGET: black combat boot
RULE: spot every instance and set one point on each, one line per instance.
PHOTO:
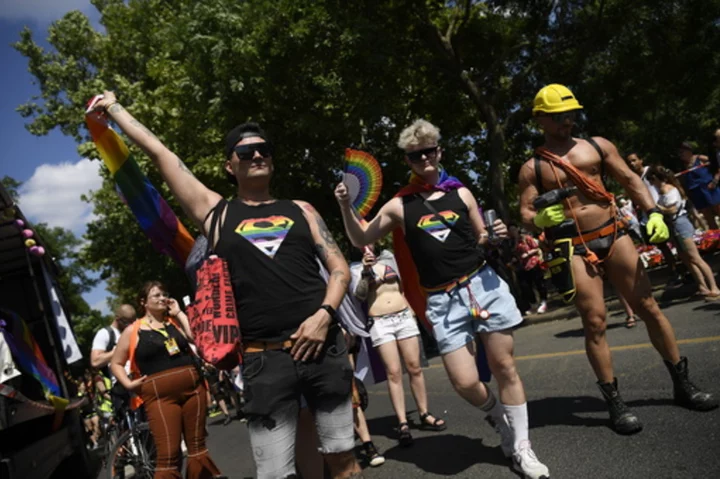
(686, 393)
(622, 418)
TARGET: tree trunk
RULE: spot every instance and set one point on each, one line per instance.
(495, 130)
(497, 156)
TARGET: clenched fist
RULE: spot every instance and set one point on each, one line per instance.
(342, 194)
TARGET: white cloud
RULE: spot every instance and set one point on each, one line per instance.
(101, 306)
(41, 10)
(52, 194)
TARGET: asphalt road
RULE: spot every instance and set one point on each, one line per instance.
(567, 416)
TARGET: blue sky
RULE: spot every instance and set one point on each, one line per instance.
(53, 173)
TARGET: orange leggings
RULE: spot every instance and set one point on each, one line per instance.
(175, 403)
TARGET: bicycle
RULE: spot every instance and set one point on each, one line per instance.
(133, 454)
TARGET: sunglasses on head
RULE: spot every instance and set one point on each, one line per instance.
(561, 117)
(417, 156)
(247, 152)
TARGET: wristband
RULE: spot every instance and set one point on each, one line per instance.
(331, 311)
(652, 210)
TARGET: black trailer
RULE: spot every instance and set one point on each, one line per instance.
(37, 441)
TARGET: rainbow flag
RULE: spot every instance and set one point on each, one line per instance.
(27, 353)
(155, 216)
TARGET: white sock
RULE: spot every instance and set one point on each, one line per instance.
(492, 406)
(517, 418)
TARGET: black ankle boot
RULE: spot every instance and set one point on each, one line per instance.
(622, 418)
(686, 393)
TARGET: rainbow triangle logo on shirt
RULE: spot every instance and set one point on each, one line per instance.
(266, 234)
(432, 225)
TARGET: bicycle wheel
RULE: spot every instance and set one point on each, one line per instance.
(134, 454)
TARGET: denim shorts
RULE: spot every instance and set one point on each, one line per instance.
(274, 384)
(449, 313)
(393, 327)
(274, 448)
(682, 230)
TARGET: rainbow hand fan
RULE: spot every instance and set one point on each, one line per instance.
(363, 178)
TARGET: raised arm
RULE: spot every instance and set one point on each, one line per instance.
(194, 197)
(361, 234)
(477, 222)
(618, 169)
(182, 319)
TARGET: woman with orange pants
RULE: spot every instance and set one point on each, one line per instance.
(167, 380)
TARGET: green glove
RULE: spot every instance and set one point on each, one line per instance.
(550, 216)
(657, 230)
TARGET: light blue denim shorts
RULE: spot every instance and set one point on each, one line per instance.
(449, 312)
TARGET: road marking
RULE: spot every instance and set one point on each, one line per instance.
(614, 348)
(577, 352)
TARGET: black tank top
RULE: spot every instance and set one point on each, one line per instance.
(151, 355)
(271, 256)
(440, 254)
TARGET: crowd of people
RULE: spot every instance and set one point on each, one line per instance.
(299, 348)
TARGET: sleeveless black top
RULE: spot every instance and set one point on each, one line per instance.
(271, 256)
(151, 355)
(441, 255)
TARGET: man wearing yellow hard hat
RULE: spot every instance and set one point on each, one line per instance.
(563, 193)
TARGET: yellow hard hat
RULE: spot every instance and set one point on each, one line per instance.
(555, 98)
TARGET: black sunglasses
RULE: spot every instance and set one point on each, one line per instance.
(561, 117)
(417, 156)
(247, 152)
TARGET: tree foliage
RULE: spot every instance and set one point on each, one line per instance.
(12, 186)
(324, 75)
(73, 280)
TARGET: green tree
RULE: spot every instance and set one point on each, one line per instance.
(324, 75)
(12, 186)
(73, 280)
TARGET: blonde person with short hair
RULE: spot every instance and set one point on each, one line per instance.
(438, 239)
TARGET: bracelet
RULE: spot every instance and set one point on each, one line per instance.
(652, 210)
(111, 104)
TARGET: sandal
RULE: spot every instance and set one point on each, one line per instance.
(426, 425)
(405, 438)
(630, 322)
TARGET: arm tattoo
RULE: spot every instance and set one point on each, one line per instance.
(362, 289)
(340, 276)
(330, 245)
(184, 168)
(142, 127)
(321, 252)
(115, 108)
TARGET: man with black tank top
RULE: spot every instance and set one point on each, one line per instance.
(588, 219)
(292, 343)
(437, 226)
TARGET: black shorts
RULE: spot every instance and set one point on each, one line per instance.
(273, 379)
(600, 246)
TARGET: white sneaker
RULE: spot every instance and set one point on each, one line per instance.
(506, 436)
(542, 308)
(526, 463)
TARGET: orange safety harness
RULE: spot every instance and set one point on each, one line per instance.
(591, 190)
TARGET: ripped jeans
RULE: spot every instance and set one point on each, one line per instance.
(274, 383)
